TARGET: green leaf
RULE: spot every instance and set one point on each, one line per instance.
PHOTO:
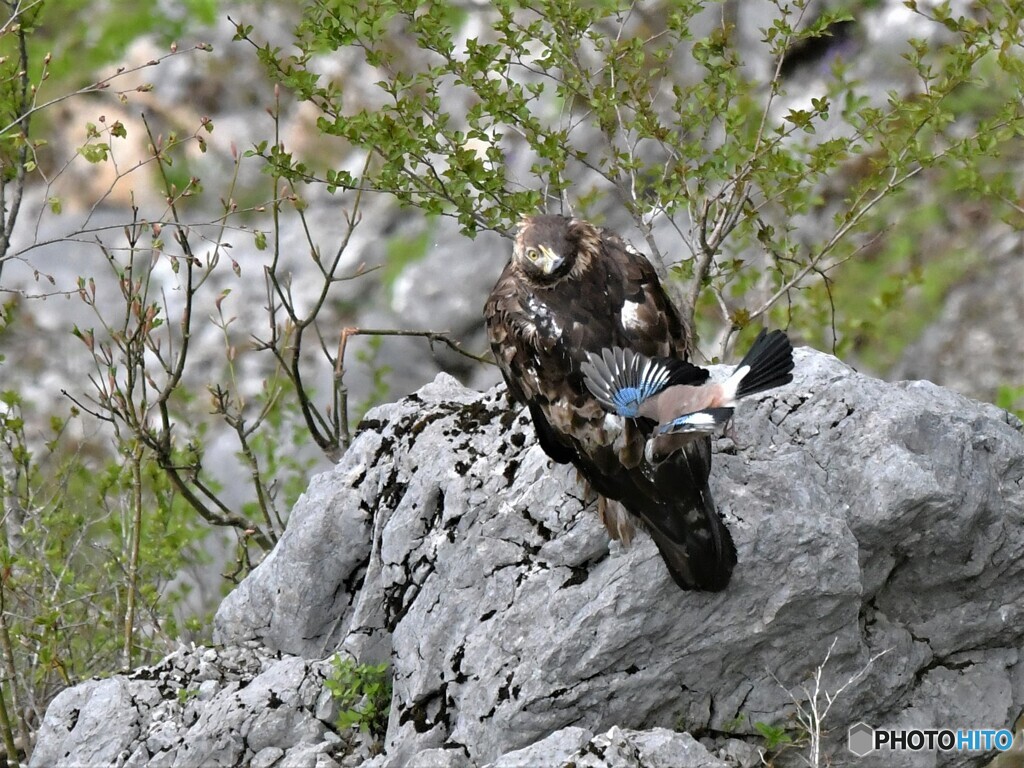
(95, 153)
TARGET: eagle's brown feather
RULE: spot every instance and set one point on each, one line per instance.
(543, 316)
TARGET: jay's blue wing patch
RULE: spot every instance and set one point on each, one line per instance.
(622, 379)
(627, 400)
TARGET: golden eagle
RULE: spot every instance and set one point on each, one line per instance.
(571, 290)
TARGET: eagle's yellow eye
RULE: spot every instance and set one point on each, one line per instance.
(532, 254)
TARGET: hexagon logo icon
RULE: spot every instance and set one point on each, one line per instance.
(861, 739)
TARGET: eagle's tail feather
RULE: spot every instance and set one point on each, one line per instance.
(714, 553)
(694, 542)
(767, 365)
(706, 556)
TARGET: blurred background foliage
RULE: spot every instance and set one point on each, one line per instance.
(82, 37)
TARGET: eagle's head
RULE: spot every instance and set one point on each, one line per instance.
(549, 247)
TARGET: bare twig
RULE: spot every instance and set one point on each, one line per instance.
(135, 539)
(103, 84)
(10, 207)
(814, 709)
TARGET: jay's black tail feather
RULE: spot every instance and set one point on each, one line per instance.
(770, 363)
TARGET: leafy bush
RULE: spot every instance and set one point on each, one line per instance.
(363, 695)
(565, 105)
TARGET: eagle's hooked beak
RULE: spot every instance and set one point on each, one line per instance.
(549, 261)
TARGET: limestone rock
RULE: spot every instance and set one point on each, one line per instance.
(657, 748)
(881, 516)
(869, 518)
(264, 711)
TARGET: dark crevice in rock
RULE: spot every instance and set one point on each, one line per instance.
(451, 527)
(725, 446)
(398, 599)
(523, 562)
(418, 714)
(438, 507)
(508, 691)
(392, 493)
(841, 419)
(373, 425)
(460, 653)
(542, 530)
(791, 405)
(524, 575)
(937, 662)
(867, 617)
(450, 744)
(385, 449)
(354, 582)
(395, 604)
(580, 573)
(741, 708)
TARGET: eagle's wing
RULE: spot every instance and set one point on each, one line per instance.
(519, 348)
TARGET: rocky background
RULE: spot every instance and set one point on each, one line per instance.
(433, 277)
(878, 517)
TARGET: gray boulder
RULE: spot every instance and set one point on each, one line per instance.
(199, 707)
(656, 748)
(870, 518)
